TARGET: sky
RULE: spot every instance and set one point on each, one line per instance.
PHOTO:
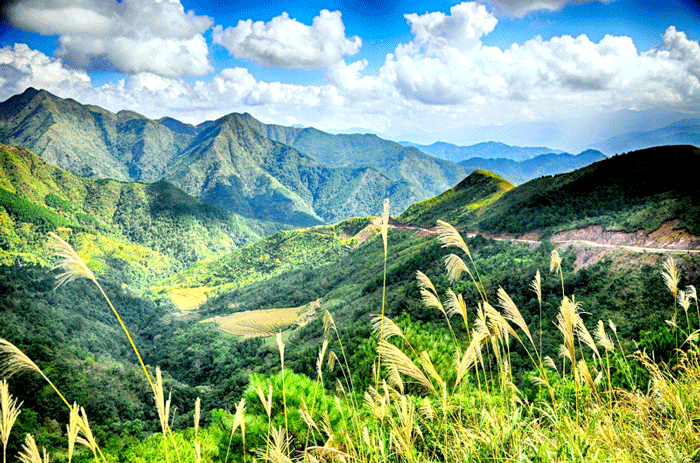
(420, 71)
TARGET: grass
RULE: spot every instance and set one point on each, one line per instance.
(262, 323)
(463, 405)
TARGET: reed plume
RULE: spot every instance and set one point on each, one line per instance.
(9, 411)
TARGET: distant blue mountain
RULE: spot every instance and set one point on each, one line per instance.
(683, 132)
(486, 150)
(518, 172)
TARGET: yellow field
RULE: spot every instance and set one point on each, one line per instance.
(188, 299)
(256, 323)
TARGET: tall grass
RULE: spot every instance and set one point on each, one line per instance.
(470, 408)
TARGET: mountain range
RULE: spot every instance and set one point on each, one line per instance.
(301, 177)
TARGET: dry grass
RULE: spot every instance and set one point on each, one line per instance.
(263, 323)
(189, 299)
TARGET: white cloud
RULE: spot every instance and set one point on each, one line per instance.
(130, 36)
(285, 42)
(444, 79)
(461, 29)
(522, 7)
(22, 67)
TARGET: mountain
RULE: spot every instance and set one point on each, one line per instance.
(474, 192)
(233, 166)
(519, 172)
(632, 191)
(297, 176)
(143, 229)
(430, 175)
(486, 150)
(88, 140)
(683, 132)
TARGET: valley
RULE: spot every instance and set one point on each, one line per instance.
(244, 255)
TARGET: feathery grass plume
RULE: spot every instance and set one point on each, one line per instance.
(72, 430)
(306, 415)
(197, 413)
(512, 314)
(395, 378)
(428, 366)
(73, 267)
(163, 407)
(550, 363)
(498, 323)
(455, 306)
(536, 286)
(88, 439)
(394, 356)
(239, 417)
(583, 333)
(585, 373)
(9, 411)
(388, 326)
(684, 301)
(431, 301)
(455, 266)
(692, 337)
(671, 276)
(328, 322)
(30, 452)
(449, 236)
(601, 336)
(332, 358)
(424, 282)
(554, 261)
(567, 319)
(14, 361)
(612, 326)
(277, 445)
(321, 356)
(471, 355)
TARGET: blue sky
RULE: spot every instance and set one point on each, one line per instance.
(418, 70)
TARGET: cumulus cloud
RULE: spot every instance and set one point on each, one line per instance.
(130, 36)
(22, 67)
(522, 7)
(287, 43)
(461, 29)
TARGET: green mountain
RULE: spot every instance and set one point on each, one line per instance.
(233, 166)
(149, 229)
(88, 140)
(427, 174)
(478, 190)
(638, 190)
(226, 162)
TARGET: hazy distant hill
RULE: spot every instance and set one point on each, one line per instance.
(683, 132)
(518, 172)
(486, 150)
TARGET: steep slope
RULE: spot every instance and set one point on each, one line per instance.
(430, 175)
(88, 140)
(479, 189)
(238, 168)
(158, 218)
(518, 172)
(485, 150)
(637, 190)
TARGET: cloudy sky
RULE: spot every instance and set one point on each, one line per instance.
(421, 71)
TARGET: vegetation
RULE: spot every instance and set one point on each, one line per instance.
(632, 191)
(451, 393)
